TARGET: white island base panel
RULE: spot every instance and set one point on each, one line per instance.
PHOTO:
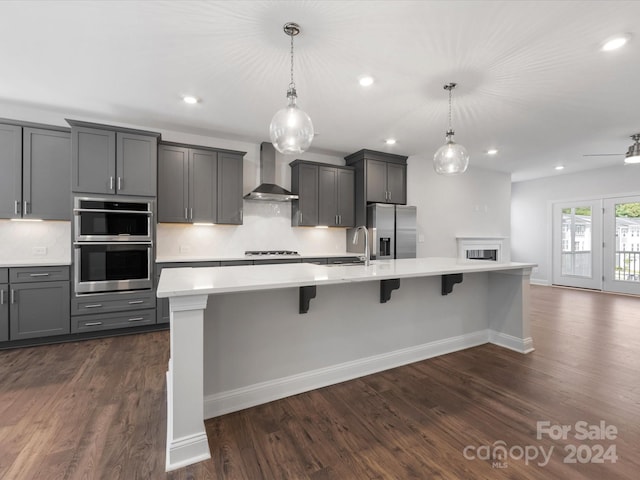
(234, 350)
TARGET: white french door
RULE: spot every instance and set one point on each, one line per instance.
(622, 245)
(577, 244)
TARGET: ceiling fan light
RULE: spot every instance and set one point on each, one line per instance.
(633, 154)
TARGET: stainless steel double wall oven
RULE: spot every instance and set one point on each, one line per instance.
(113, 244)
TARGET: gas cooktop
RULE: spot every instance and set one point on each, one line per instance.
(270, 253)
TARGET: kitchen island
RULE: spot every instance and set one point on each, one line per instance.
(246, 335)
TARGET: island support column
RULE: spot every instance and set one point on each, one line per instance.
(186, 436)
(509, 322)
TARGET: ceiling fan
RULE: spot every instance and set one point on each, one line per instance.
(632, 155)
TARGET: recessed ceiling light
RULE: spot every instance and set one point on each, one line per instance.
(615, 42)
(492, 151)
(560, 167)
(390, 141)
(191, 100)
(366, 81)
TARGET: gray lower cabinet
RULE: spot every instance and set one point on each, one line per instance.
(108, 160)
(4, 305)
(112, 310)
(199, 185)
(36, 167)
(38, 302)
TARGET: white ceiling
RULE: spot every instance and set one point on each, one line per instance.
(532, 80)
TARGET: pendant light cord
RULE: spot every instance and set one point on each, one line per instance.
(292, 83)
(450, 103)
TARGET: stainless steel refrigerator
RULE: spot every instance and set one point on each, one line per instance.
(392, 232)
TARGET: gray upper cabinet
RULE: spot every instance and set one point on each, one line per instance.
(304, 183)
(230, 202)
(109, 161)
(46, 188)
(11, 177)
(203, 180)
(199, 185)
(136, 164)
(380, 178)
(36, 166)
(326, 194)
(173, 184)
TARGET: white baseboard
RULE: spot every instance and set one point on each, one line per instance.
(521, 345)
(539, 281)
(252, 395)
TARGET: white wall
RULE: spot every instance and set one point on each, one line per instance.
(476, 203)
(531, 209)
(31, 242)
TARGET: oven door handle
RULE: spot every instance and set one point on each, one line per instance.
(80, 244)
(78, 211)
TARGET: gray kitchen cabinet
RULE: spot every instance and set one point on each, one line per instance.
(173, 184)
(304, 183)
(230, 202)
(109, 160)
(11, 177)
(379, 178)
(199, 185)
(326, 194)
(36, 168)
(38, 308)
(4, 305)
(109, 321)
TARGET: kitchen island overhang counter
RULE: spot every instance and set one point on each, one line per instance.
(248, 343)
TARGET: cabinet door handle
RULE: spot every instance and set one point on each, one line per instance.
(136, 319)
(92, 324)
(26, 207)
(300, 217)
(110, 183)
(191, 213)
(13, 296)
(1, 297)
(16, 207)
(186, 213)
(119, 183)
(95, 305)
(389, 195)
(136, 302)
(38, 274)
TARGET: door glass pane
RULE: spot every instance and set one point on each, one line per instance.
(576, 241)
(627, 252)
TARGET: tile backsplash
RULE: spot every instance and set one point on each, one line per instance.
(32, 241)
(267, 226)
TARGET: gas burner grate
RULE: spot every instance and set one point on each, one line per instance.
(271, 253)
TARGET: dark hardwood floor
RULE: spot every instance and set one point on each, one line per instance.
(97, 409)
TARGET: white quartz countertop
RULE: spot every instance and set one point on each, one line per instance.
(177, 282)
(213, 258)
(33, 263)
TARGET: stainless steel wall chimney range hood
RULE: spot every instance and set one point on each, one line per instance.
(268, 191)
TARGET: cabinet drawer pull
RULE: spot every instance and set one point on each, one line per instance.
(136, 302)
(136, 319)
(38, 274)
(95, 305)
(92, 324)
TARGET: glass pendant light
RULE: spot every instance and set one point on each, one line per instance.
(451, 158)
(291, 130)
(633, 154)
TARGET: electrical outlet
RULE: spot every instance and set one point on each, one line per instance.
(185, 248)
(39, 251)
(420, 238)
